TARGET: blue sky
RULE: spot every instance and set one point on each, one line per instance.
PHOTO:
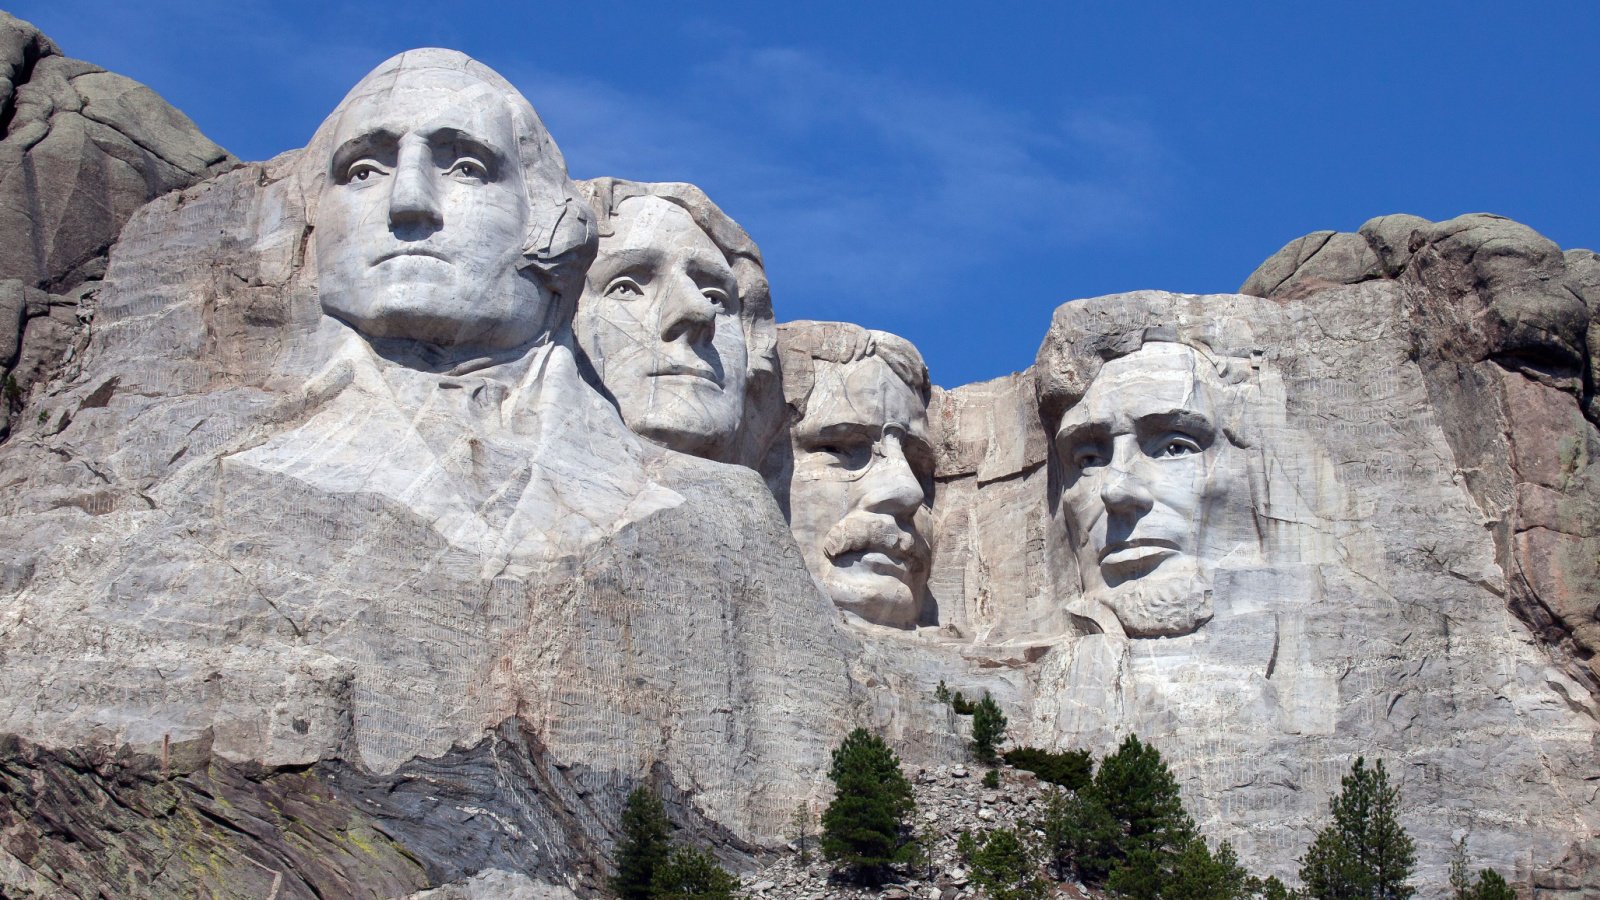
(953, 172)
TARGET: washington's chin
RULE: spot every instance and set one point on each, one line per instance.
(877, 588)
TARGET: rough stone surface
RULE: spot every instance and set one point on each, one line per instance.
(80, 150)
(333, 562)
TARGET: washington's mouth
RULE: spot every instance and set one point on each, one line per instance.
(411, 251)
(1139, 550)
(876, 561)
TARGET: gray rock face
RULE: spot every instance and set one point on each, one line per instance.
(80, 150)
(334, 561)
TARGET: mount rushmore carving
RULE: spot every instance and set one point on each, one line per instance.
(406, 473)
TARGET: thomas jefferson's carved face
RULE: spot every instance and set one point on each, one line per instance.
(858, 497)
(659, 320)
(422, 223)
(1146, 470)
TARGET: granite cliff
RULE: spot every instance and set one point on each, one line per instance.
(379, 515)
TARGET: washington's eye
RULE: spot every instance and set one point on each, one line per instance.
(1176, 445)
(362, 170)
(624, 289)
(467, 167)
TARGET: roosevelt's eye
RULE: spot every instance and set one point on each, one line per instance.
(1088, 457)
(844, 454)
(624, 289)
(1176, 445)
(467, 168)
(363, 170)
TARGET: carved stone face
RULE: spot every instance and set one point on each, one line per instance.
(1146, 470)
(659, 320)
(858, 497)
(422, 222)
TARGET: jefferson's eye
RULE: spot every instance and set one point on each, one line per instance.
(362, 170)
(469, 168)
(624, 289)
(1176, 445)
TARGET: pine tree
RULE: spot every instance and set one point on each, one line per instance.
(643, 846)
(1148, 825)
(1004, 866)
(1460, 881)
(1364, 854)
(1073, 824)
(1202, 875)
(689, 873)
(864, 828)
(1491, 886)
(801, 823)
(988, 727)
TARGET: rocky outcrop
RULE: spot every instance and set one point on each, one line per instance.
(80, 150)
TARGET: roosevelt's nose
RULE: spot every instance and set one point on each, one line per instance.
(686, 313)
(413, 195)
(890, 485)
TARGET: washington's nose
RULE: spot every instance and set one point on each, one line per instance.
(891, 485)
(413, 195)
(686, 313)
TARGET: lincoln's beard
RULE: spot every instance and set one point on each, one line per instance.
(1172, 601)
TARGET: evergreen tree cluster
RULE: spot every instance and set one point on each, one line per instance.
(651, 867)
(865, 829)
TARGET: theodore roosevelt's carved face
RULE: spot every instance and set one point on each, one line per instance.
(659, 321)
(424, 217)
(859, 493)
(1146, 468)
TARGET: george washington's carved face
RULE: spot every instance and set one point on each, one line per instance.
(1147, 470)
(425, 215)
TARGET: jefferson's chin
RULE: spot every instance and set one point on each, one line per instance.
(1173, 600)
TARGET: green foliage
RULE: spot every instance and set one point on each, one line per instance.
(1491, 886)
(12, 390)
(1074, 825)
(643, 847)
(1273, 889)
(1460, 881)
(1364, 853)
(801, 824)
(1004, 866)
(988, 727)
(1198, 874)
(991, 779)
(962, 705)
(1141, 799)
(1071, 769)
(689, 873)
(864, 828)
(941, 693)
(966, 846)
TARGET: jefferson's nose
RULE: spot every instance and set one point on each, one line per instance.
(413, 196)
(685, 312)
(890, 486)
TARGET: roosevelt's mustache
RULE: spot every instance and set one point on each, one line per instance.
(881, 533)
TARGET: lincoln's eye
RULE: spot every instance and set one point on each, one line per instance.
(624, 289)
(1176, 445)
(1088, 458)
(719, 297)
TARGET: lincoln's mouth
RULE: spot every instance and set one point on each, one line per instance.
(685, 369)
(410, 251)
(1138, 550)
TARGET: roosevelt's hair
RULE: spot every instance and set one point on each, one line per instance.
(561, 232)
(803, 344)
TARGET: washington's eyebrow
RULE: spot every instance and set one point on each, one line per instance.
(378, 139)
(834, 430)
(465, 140)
